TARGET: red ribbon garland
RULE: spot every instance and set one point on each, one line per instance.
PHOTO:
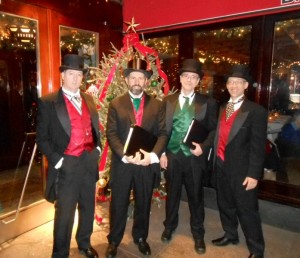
(132, 39)
(103, 157)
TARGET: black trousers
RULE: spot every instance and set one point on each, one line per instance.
(75, 189)
(238, 205)
(187, 171)
(125, 178)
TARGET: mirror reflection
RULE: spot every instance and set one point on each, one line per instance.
(18, 96)
(81, 42)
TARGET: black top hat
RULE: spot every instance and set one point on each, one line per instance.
(240, 71)
(73, 62)
(192, 66)
(137, 65)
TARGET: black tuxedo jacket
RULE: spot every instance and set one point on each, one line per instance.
(54, 130)
(121, 117)
(245, 150)
(206, 112)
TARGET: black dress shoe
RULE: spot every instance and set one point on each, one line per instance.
(200, 247)
(90, 252)
(166, 236)
(111, 250)
(256, 256)
(223, 241)
(144, 247)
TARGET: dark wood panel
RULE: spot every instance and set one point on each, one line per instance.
(280, 192)
(99, 11)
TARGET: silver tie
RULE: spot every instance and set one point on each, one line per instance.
(76, 101)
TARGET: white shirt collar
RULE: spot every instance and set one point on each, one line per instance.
(191, 95)
(238, 104)
(135, 96)
(182, 98)
(70, 94)
(230, 100)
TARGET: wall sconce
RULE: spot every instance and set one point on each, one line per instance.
(24, 29)
(13, 28)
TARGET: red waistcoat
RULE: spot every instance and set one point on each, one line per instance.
(225, 128)
(81, 130)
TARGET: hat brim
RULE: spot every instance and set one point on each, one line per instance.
(185, 70)
(147, 73)
(239, 75)
(64, 68)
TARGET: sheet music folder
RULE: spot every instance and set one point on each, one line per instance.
(139, 138)
(195, 133)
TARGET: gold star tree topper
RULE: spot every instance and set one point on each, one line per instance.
(131, 25)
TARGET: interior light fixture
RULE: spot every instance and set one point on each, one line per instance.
(25, 29)
(13, 28)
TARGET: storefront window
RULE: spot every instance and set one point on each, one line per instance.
(167, 47)
(283, 161)
(218, 50)
(270, 46)
(285, 76)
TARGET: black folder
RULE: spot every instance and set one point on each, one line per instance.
(195, 133)
(139, 138)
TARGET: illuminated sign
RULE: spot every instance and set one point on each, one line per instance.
(289, 1)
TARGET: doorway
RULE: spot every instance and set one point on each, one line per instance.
(22, 206)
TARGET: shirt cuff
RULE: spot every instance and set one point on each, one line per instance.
(124, 160)
(154, 158)
(59, 163)
(99, 149)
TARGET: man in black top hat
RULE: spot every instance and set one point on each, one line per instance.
(239, 149)
(137, 173)
(184, 165)
(68, 135)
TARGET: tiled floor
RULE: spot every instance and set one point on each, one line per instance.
(38, 242)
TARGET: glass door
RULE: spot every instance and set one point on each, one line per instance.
(21, 175)
(283, 159)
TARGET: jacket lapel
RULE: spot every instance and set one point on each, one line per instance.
(146, 111)
(238, 122)
(128, 105)
(91, 107)
(216, 140)
(200, 107)
(170, 109)
(62, 112)
(241, 116)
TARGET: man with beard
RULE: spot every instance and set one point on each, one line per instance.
(139, 172)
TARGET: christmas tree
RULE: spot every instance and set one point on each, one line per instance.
(107, 82)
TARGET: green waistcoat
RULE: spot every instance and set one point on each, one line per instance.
(181, 122)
